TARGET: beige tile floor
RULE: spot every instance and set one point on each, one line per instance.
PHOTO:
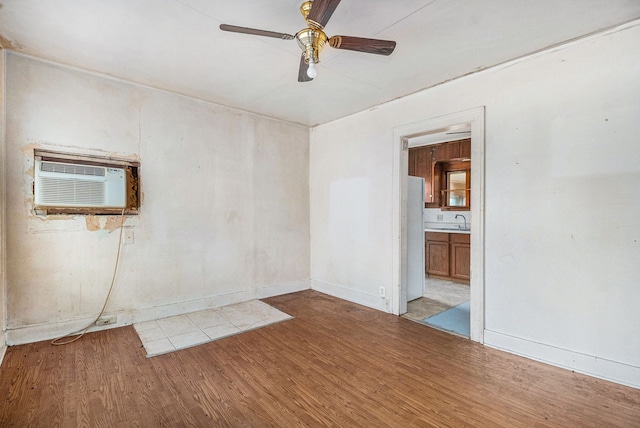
(439, 295)
(183, 331)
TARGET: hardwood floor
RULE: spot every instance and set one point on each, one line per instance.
(334, 364)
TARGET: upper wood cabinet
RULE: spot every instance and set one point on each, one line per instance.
(453, 150)
(412, 162)
(427, 162)
(446, 151)
(421, 165)
(465, 149)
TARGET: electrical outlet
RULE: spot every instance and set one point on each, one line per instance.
(106, 320)
(383, 292)
(440, 217)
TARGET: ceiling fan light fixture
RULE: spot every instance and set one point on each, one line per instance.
(311, 71)
(311, 41)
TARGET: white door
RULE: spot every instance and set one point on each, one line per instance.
(415, 238)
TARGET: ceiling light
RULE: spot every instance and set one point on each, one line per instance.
(311, 42)
(311, 71)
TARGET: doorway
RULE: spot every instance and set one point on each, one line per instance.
(442, 161)
(474, 119)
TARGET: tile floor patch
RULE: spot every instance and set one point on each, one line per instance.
(221, 331)
(174, 326)
(151, 334)
(205, 319)
(184, 331)
(439, 295)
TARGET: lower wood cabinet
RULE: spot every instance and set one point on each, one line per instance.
(460, 256)
(448, 255)
(437, 253)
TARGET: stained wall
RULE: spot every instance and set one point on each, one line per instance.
(562, 179)
(2, 204)
(224, 214)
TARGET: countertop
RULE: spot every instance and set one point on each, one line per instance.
(448, 230)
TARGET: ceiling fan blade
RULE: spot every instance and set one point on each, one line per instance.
(302, 71)
(255, 32)
(372, 46)
(321, 12)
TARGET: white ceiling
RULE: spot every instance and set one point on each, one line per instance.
(176, 45)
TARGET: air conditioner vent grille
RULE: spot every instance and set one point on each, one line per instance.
(67, 168)
(72, 192)
(59, 184)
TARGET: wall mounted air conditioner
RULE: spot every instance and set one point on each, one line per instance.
(60, 184)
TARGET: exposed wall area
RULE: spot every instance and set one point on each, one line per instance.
(2, 192)
(224, 214)
(562, 180)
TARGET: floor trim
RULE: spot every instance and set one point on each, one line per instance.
(354, 296)
(612, 371)
(48, 331)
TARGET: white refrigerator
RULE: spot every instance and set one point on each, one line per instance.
(415, 238)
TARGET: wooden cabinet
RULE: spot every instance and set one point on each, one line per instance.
(465, 149)
(460, 256)
(453, 150)
(446, 151)
(427, 161)
(448, 255)
(412, 161)
(437, 253)
(421, 165)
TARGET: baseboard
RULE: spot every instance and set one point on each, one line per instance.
(613, 371)
(49, 331)
(364, 299)
(3, 351)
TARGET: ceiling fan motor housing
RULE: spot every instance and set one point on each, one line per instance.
(311, 42)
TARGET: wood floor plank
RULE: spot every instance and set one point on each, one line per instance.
(334, 364)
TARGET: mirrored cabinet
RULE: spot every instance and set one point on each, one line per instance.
(456, 188)
(456, 185)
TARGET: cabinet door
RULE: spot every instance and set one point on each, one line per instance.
(438, 152)
(460, 260)
(452, 150)
(465, 149)
(420, 165)
(423, 169)
(438, 258)
(412, 162)
(436, 185)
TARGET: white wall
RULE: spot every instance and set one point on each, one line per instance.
(224, 216)
(2, 234)
(562, 177)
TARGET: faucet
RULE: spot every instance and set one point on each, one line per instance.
(464, 218)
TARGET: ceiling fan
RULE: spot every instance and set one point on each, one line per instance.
(312, 39)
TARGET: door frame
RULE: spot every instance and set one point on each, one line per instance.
(401, 135)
